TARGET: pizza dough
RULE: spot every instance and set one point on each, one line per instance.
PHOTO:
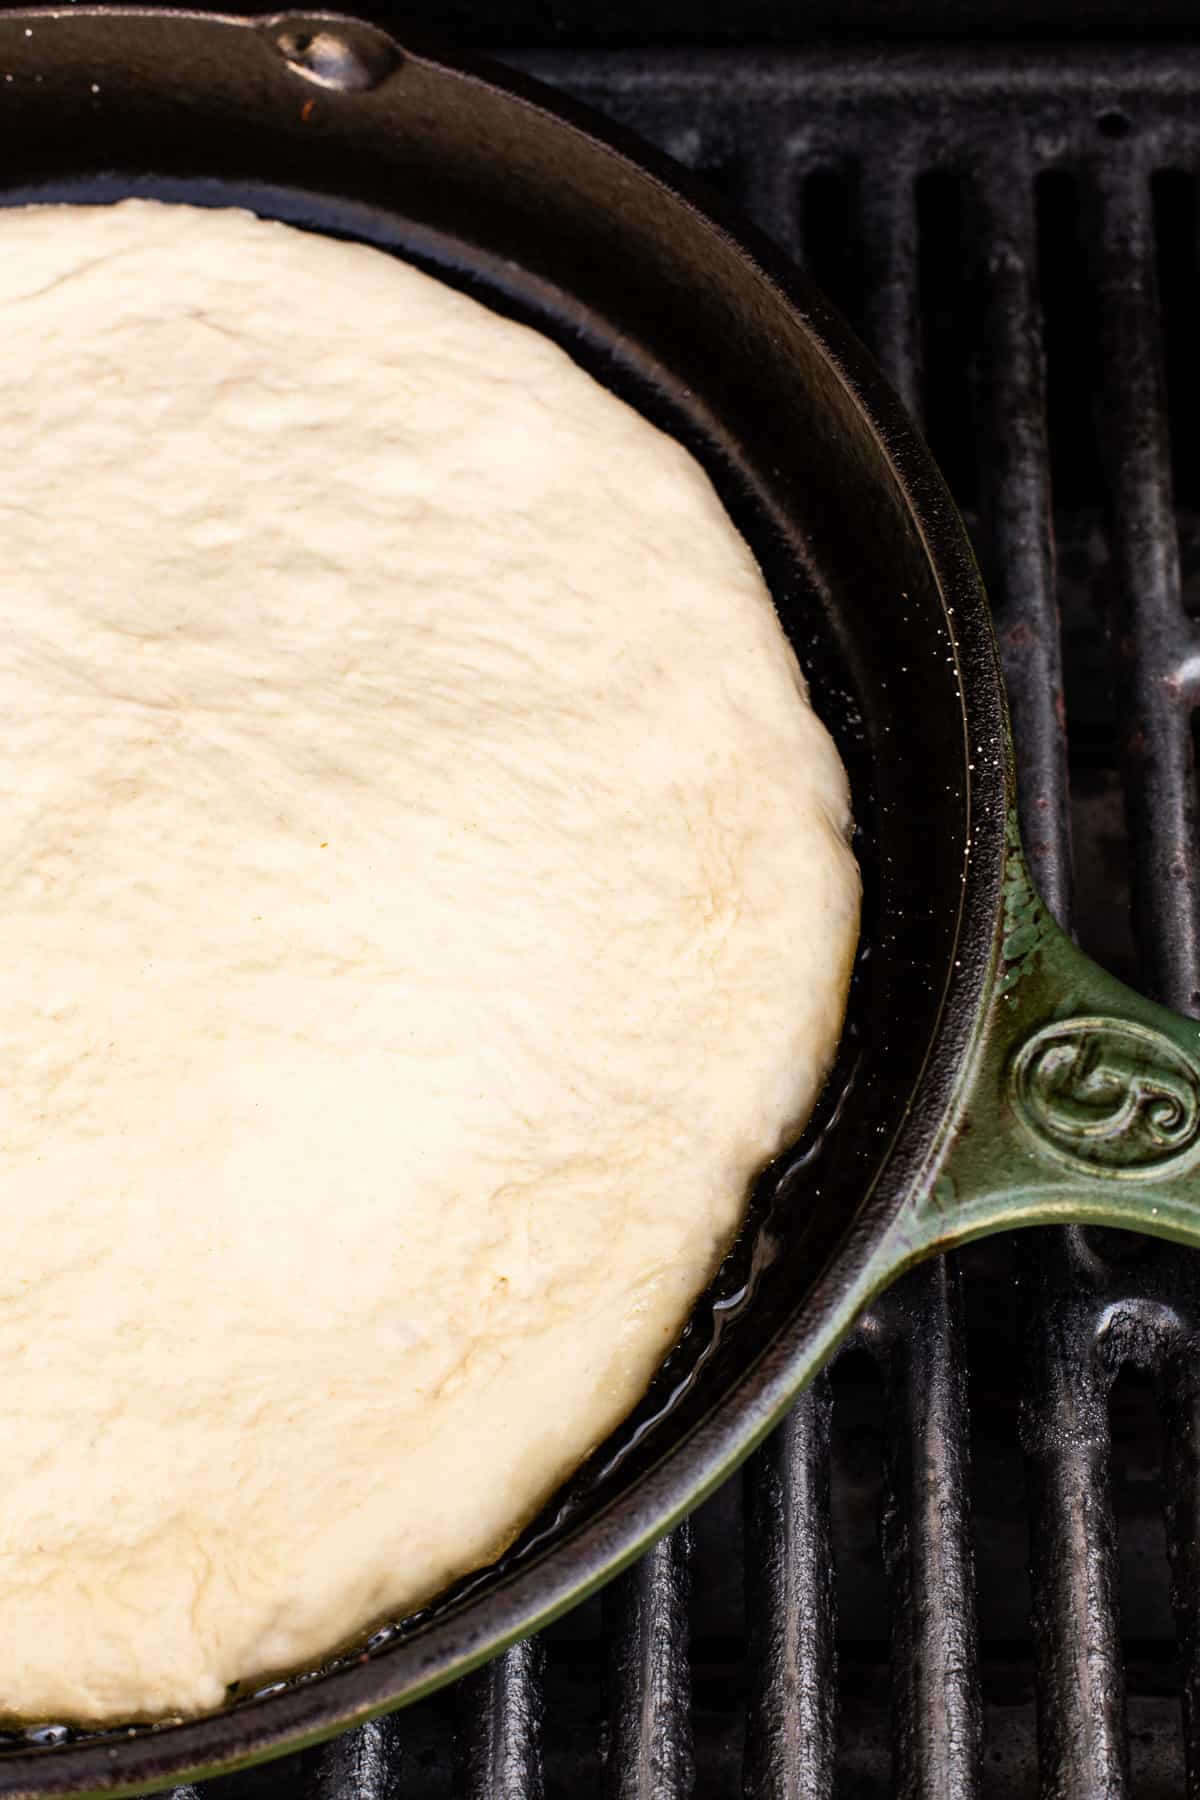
(426, 904)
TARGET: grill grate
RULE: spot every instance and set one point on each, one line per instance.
(999, 231)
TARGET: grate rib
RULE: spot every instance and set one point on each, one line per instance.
(916, 1331)
(649, 1678)
(1017, 537)
(791, 1720)
(1083, 1747)
(1157, 660)
(364, 1763)
(771, 190)
(887, 228)
(1157, 677)
(916, 1328)
(1179, 1389)
(1082, 1737)
(503, 1705)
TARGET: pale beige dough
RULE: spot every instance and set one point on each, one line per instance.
(426, 903)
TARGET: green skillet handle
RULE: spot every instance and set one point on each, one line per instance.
(1080, 1101)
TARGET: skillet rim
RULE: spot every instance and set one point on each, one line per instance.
(596, 1549)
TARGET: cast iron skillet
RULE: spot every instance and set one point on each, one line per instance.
(989, 1076)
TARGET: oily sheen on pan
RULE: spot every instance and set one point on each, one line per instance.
(427, 904)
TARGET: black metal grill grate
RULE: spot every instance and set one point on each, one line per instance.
(1018, 242)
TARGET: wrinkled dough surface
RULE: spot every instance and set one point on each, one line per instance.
(426, 904)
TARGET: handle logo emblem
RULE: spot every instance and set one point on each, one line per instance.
(1107, 1097)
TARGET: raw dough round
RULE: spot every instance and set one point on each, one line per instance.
(426, 904)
